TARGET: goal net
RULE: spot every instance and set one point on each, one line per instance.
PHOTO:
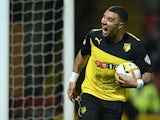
(36, 60)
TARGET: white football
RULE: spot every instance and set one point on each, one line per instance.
(125, 68)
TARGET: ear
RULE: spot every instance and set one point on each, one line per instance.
(120, 25)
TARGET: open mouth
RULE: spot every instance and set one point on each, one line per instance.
(105, 30)
(104, 27)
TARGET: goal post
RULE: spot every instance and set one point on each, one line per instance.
(4, 59)
(68, 55)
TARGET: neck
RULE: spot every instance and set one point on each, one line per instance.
(119, 36)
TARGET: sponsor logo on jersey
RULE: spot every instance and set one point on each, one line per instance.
(98, 40)
(105, 65)
(127, 47)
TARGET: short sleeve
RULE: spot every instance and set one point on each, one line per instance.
(86, 47)
(142, 59)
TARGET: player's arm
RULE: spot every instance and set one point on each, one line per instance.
(145, 65)
(132, 82)
(147, 77)
(80, 62)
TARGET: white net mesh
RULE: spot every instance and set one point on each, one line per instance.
(36, 65)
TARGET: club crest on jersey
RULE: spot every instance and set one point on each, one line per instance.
(127, 47)
(83, 109)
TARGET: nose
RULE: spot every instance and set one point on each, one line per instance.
(103, 20)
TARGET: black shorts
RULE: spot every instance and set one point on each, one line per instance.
(92, 108)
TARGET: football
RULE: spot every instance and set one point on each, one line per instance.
(125, 68)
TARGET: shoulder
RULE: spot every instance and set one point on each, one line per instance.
(133, 40)
(132, 37)
(95, 31)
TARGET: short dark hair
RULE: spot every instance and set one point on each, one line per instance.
(123, 14)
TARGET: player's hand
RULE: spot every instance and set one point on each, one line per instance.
(72, 94)
(130, 82)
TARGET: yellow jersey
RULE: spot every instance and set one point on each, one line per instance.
(104, 57)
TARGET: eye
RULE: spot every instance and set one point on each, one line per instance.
(110, 19)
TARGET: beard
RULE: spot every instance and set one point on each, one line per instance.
(110, 34)
(111, 38)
